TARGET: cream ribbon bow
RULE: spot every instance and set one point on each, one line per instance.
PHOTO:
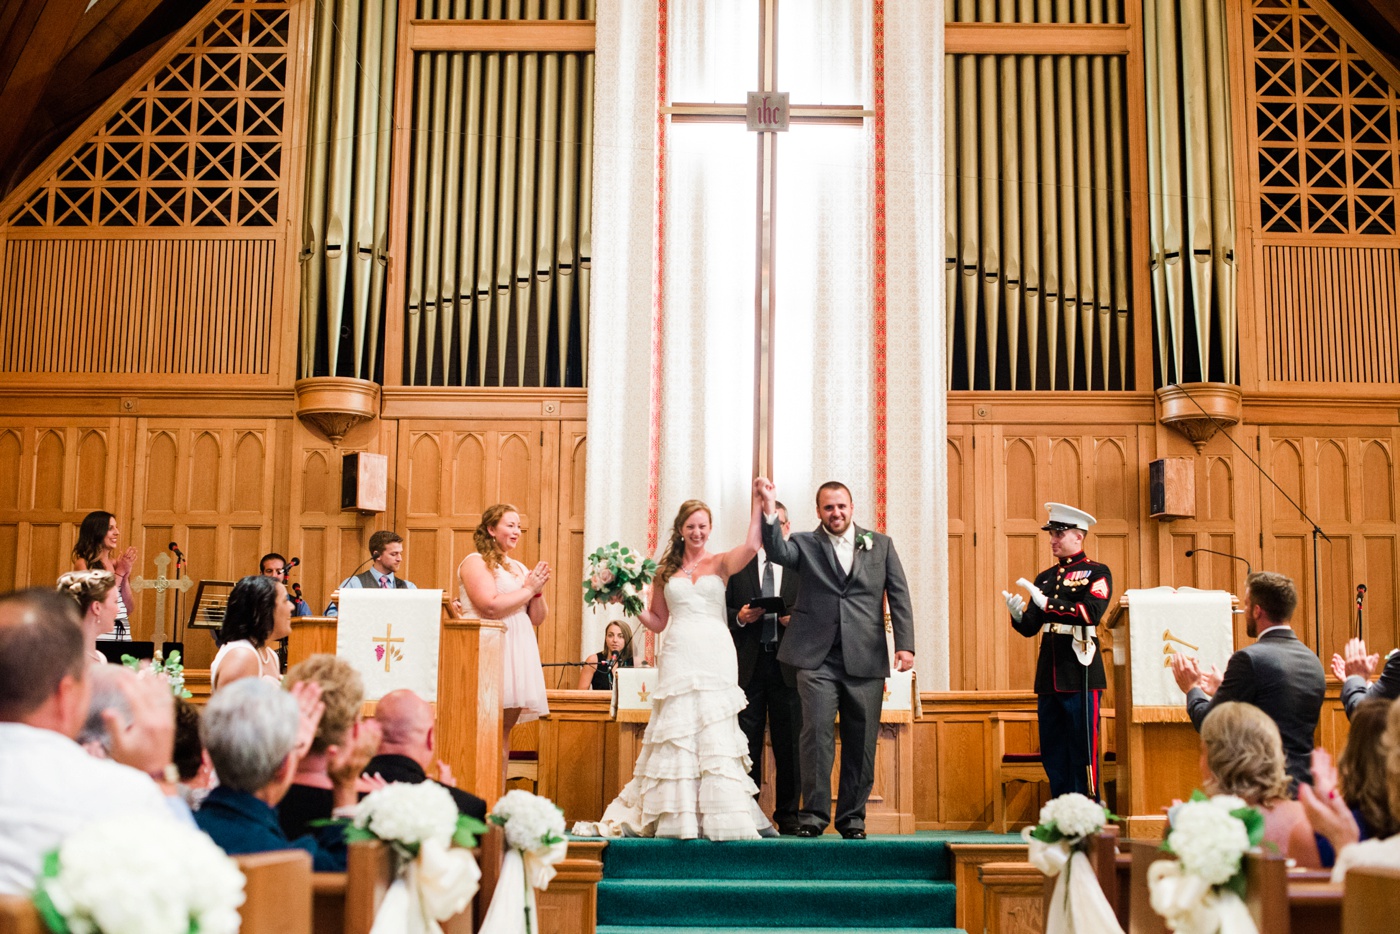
(1077, 904)
(438, 884)
(513, 909)
(1190, 905)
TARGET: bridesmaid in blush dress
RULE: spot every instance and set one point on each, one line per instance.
(498, 587)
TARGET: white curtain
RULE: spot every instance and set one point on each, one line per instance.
(825, 320)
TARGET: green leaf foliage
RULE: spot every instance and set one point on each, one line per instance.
(469, 829)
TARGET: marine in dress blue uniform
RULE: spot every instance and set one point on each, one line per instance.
(1066, 603)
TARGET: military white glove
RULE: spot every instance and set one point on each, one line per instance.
(1015, 605)
(1040, 599)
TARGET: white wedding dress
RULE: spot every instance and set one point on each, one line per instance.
(692, 775)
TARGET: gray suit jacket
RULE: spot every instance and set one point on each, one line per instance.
(1354, 689)
(853, 605)
(1282, 677)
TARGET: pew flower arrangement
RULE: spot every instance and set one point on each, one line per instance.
(1201, 891)
(1057, 846)
(117, 877)
(617, 574)
(171, 668)
(535, 843)
(437, 875)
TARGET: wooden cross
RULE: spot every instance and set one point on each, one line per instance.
(160, 585)
(387, 641)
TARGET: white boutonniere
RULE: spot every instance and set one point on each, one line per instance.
(865, 541)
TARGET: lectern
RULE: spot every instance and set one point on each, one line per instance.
(468, 692)
(1158, 748)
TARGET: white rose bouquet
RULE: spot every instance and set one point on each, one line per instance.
(437, 875)
(535, 843)
(117, 876)
(1057, 847)
(617, 574)
(1202, 891)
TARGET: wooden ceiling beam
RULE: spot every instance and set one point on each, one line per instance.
(100, 32)
(35, 53)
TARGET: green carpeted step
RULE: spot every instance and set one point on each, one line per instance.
(650, 929)
(767, 903)
(887, 858)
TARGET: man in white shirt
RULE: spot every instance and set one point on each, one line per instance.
(49, 787)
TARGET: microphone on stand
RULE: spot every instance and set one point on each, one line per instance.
(1360, 596)
(296, 589)
(179, 555)
(1224, 554)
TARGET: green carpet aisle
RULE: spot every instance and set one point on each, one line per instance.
(886, 884)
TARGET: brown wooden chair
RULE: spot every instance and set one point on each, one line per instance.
(1007, 767)
(1370, 901)
(19, 916)
(277, 892)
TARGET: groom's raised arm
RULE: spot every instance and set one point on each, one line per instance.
(779, 550)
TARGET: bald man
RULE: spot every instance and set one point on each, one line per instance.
(407, 750)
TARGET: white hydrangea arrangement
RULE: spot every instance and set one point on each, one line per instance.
(1211, 835)
(406, 816)
(117, 877)
(535, 843)
(617, 574)
(1070, 817)
(1202, 890)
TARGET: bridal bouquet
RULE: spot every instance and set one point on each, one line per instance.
(617, 574)
(534, 831)
(1201, 892)
(435, 880)
(117, 876)
(1057, 847)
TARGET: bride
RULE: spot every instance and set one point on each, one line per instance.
(692, 775)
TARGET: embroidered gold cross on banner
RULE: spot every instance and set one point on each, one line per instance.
(385, 648)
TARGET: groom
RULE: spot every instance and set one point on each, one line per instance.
(836, 641)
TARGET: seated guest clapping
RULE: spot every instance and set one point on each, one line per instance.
(328, 776)
(49, 787)
(255, 734)
(1242, 755)
(1360, 780)
(406, 751)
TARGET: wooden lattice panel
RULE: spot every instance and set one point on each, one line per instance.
(1325, 126)
(202, 144)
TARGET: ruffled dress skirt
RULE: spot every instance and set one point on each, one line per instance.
(692, 774)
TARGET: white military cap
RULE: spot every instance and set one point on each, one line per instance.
(1067, 517)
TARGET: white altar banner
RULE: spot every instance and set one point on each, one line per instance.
(391, 637)
(631, 698)
(1164, 621)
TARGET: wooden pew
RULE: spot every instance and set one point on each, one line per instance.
(19, 916)
(277, 892)
(1103, 856)
(345, 902)
(1371, 900)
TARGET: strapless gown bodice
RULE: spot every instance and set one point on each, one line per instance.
(698, 652)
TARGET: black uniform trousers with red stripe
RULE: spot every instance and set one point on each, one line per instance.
(1077, 593)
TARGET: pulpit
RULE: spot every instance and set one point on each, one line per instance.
(468, 701)
(1157, 747)
(891, 805)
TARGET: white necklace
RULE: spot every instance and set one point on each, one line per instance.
(690, 571)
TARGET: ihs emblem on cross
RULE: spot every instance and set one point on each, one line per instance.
(386, 651)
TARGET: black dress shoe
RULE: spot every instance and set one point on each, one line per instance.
(853, 833)
(806, 831)
(790, 830)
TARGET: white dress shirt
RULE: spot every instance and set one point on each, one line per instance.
(49, 788)
(845, 547)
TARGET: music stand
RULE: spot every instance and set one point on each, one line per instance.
(210, 602)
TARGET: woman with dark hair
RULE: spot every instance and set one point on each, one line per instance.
(258, 613)
(617, 653)
(96, 550)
